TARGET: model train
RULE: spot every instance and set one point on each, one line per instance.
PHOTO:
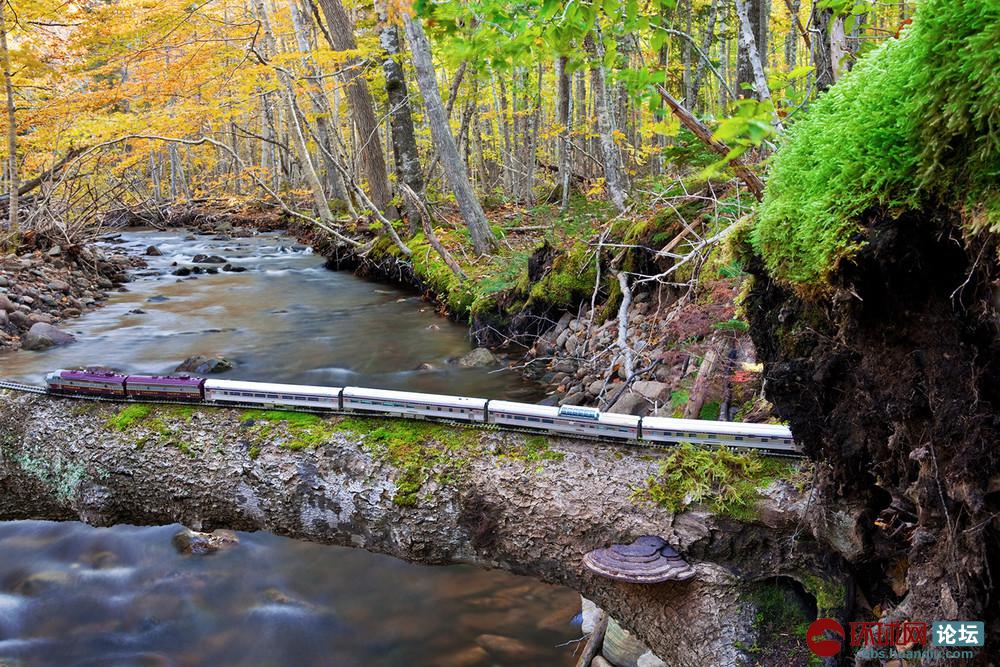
(567, 419)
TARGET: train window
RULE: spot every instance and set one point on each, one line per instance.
(738, 438)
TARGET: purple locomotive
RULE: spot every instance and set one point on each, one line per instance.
(93, 382)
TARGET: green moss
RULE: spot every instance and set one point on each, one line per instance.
(532, 449)
(292, 430)
(418, 450)
(128, 416)
(830, 595)
(570, 279)
(725, 481)
(912, 124)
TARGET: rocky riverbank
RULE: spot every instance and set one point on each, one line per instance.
(43, 287)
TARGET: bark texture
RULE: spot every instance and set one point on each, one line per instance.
(61, 459)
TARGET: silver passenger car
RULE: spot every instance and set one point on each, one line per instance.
(402, 403)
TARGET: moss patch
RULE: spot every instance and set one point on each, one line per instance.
(723, 480)
(291, 430)
(418, 450)
(912, 124)
(128, 416)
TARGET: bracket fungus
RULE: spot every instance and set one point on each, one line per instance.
(648, 560)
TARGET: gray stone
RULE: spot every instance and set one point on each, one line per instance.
(655, 391)
(4, 319)
(478, 358)
(42, 336)
(45, 318)
(5, 303)
(202, 364)
(575, 398)
(153, 251)
(595, 387)
(54, 251)
(630, 403)
(59, 286)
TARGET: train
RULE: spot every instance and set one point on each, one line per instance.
(568, 420)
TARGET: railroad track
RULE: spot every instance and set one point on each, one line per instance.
(643, 444)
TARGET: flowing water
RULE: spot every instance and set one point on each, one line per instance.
(75, 595)
(286, 319)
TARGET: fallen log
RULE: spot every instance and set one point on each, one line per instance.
(482, 498)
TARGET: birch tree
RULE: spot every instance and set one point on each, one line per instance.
(472, 212)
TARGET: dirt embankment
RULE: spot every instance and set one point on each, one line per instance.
(890, 381)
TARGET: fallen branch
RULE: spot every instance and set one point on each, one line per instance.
(425, 223)
(752, 181)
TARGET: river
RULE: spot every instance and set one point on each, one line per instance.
(75, 595)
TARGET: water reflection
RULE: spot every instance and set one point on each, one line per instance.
(286, 318)
(75, 595)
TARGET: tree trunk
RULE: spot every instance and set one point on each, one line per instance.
(404, 141)
(489, 508)
(321, 107)
(12, 179)
(563, 120)
(341, 33)
(479, 229)
(749, 46)
(822, 62)
(613, 177)
(705, 46)
(745, 77)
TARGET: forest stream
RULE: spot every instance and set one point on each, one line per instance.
(75, 595)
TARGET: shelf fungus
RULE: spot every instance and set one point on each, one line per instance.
(648, 560)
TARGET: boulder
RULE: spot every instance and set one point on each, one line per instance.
(42, 336)
(153, 251)
(202, 364)
(478, 358)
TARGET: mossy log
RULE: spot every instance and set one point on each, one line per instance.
(492, 499)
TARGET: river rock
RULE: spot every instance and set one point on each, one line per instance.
(202, 364)
(478, 358)
(54, 251)
(42, 336)
(153, 251)
(208, 259)
(45, 318)
(599, 661)
(19, 319)
(234, 269)
(5, 303)
(4, 319)
(189, 541)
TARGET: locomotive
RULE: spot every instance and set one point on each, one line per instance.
(569, 420)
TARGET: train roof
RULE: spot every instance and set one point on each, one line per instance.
(165, 380)
(239, 385)
(444, 399)
(709, 426)
(91, 376)
(612, 418)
